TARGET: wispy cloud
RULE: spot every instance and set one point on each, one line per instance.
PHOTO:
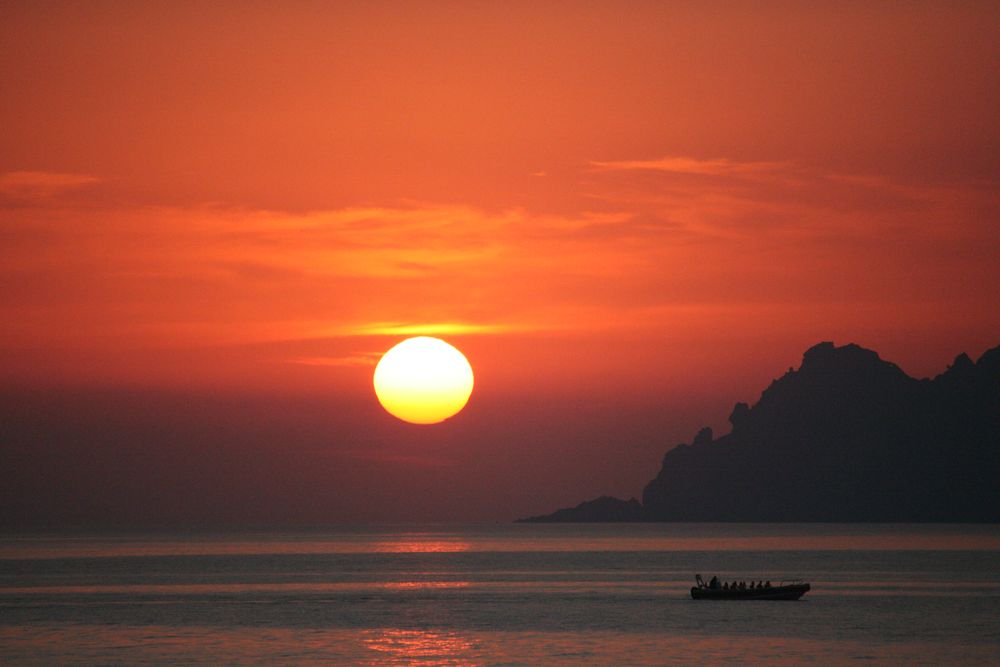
(355, 360)
(33, 184)
(688, 165)
(176, 276)
(182, 275)
(428, 329)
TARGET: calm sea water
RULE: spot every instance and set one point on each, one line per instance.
(502, 595)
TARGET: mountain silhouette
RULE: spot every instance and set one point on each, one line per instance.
(847, 437)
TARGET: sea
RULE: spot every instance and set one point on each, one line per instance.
(501, 594)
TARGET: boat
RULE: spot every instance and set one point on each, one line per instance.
(788, 589)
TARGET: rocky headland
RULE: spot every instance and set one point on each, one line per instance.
(846, 437)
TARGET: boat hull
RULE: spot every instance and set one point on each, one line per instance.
(790, 592)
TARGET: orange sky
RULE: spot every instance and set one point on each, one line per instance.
(659, 205)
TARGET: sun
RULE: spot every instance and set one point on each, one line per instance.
(423, 380)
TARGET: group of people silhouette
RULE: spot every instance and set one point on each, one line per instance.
(738, 585)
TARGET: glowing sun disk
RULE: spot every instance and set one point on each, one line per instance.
(423, 380)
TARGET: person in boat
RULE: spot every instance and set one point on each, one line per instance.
(767, 584)
(714, 583)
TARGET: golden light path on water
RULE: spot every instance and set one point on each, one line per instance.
(747, 538)
(506, 594)
(399, 646)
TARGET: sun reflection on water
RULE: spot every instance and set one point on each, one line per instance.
(422, 585)
(394, 646)
(419, 543)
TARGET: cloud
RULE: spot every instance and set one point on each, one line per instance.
(355, 360)
(142, 277)
(174, 276)
(429, 329)
(687, 165)
(41, 184)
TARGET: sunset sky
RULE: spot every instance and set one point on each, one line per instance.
(215, 217)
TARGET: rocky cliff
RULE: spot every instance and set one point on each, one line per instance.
(845, 437)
